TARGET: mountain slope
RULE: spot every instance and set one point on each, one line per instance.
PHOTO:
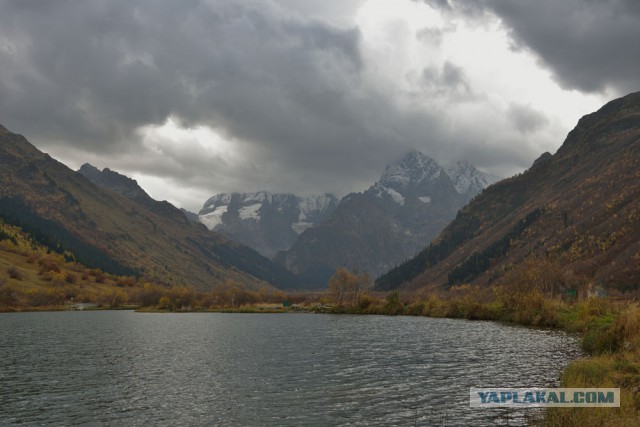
(107, 230)
(129, 188)
(577, 211)
(373, 231)
(265, 221)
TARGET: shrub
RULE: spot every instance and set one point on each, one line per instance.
(43, 296)
(8, 295)
(48, 265)
(165, 303)
(118, 298)
(124, 281)
(417, 308)
(14, 273)
(100, 276)
(627, 328)
(393, 306)
(149, 294)
(365, 301)
(600, 340)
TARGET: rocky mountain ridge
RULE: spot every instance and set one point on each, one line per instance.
(574, 212)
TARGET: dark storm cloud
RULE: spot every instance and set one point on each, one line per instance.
(92, 72)
(590, 45)
(79, 71)
(286, 89)
(294, 88)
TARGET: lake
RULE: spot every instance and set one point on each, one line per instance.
(127, 368)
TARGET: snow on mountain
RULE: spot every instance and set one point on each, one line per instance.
(467, 179)
(251, 205)
(250, 212)
(414, 168)
(301, 226)
(213, 218)
(417, 169)
(217, 200)
(397, 197)
(414, 199)
(311, 209)
(310, 205)
(267, 222)
(415, 176)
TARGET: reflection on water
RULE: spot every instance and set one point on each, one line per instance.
(253, 369)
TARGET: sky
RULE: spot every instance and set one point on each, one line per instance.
(198, 97)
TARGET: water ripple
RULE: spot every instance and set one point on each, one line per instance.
(290, 369)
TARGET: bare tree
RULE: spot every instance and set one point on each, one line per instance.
(346, 287)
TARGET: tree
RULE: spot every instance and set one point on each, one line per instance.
(231, 290)
(345, 287)
(338, 284)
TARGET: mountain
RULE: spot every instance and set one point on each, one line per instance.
(129, 188)
(266, 222)
(371, 232)
(467, 179)
(114, 181)
(122, 231)
(575, 212)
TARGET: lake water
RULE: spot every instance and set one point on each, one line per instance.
(126, 368)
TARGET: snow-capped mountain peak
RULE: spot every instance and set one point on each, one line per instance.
(414, 176)
(414, 168)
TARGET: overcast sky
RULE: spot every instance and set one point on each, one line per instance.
(196, 97)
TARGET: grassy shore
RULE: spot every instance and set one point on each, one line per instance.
(611, 335)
